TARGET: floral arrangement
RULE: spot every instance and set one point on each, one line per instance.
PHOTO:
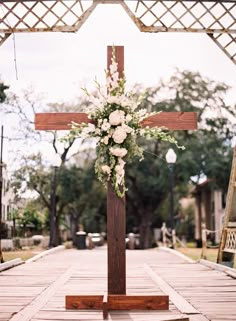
(116, 124)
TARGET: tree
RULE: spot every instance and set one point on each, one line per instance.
(24, 108)
(208, 150)
(78, 194)
(3, 95)
(33, 175)
(84, 197)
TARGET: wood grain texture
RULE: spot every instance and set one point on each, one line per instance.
(172, 120)
(59, 121)
(138, 302)
(116, 226)
(118, 302)
(211, 292)
(183, 305)
(84, 302)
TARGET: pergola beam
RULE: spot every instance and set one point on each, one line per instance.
(215, 18)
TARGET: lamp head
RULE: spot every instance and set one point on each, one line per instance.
(171, 156)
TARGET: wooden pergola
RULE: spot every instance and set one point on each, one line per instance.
(215, 18)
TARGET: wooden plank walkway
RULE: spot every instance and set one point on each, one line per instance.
(36, 291)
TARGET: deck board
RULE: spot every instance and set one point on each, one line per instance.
(36, 291)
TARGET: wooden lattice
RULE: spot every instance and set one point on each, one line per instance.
(227, 247)
(215, 18)
(230, 243)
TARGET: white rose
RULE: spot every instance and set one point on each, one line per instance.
(117, 151)
(106, 169)
(117, 117)
(119, 135)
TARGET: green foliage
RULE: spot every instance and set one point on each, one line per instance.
(208, 152)
(84, 197)
(30, 219)
(3, 95)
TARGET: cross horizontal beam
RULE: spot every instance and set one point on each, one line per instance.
(170, 120)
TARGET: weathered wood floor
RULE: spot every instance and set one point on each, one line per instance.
(36, 291)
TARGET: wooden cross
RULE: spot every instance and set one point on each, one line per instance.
(116, 298)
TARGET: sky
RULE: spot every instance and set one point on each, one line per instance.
(59, 64)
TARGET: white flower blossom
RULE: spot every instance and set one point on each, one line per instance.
(106, 169)
(120, 173)
(119, 135)
(117, 151)
(120, 170)
(115, 77)
(105, 140)
(97, 131)
(128, 118)
(117, 117)
(113, 100)
(105, 126)
(127, 128)
(121, 162)
(113, 67)
(91, 127)
(142, 132)
(142, 112)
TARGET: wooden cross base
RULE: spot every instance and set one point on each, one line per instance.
(108, 302)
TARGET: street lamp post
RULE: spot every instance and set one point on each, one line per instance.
(53, 210)
(171, 159)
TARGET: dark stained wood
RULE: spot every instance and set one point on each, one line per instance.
(170, 120)
(119, 54)
(59, 121)
(84, 302)
(138, 302)
(118, 302)
(116, 225)
(116, 214)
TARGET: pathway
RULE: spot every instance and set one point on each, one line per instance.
(36, 291)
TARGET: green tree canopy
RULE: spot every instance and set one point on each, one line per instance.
(208, 150)
(3, 95)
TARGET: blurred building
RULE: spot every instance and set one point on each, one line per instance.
(8, 205)
(209, 210)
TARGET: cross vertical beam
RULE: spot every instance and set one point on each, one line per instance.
(116, 226)
(116, 214)
(116, 298)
